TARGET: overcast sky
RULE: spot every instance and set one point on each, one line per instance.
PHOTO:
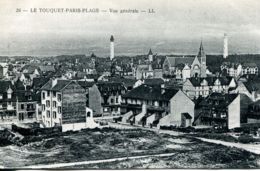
(177, 26)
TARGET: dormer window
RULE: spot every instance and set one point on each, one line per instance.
(9, 93)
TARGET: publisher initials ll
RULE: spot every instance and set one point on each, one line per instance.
(151, 11)
(33, 10)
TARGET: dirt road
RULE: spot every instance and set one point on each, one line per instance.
(60, 165)
(253, 148)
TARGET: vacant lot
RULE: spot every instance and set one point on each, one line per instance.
(113, 143)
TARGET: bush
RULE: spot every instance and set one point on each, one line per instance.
(217, 136)
(245, 139)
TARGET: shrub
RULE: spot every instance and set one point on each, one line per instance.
(245, 139)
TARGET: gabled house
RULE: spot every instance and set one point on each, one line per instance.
(239, 69)
(195, 87)
(63, 104)
(111, 93)
(219, 110)
(249, 68)
(157, 106)
(17, 104)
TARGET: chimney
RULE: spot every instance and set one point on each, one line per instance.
(53, 82)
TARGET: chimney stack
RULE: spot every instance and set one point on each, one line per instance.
(54, 81)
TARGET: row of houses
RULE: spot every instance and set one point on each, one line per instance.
(60, 102)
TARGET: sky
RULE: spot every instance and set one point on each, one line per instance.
(176, 27)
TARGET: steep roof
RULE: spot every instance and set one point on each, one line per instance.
(86, 84)
(153, 81)
(127, 82)
(57, 87)
(201, 50)
(196, 81)
(150, 52)
(4, 85)
(224, 100)
(112, 38)
(142, 67)
(46, 68)
(174, 61)
(106, 88)
(93, 55)
(30, 68)
(146, 92)
(250, 65)
(38, 82)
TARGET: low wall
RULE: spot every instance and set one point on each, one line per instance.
(35, 131)
(74, 126)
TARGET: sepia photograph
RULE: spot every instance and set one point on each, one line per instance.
(129, 84)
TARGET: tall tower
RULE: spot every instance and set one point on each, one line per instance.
(225, 47)
(150, 55)
(202, 57)
(112, 51)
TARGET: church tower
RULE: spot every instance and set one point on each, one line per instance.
(202, 57)
(112, 52)
(150, 55)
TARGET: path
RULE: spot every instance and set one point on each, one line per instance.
(253, 148)
(60, 165)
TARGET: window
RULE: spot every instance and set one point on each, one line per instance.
(117, 100)
(55, 104)
(112, 100)
(48, 114)
(59, 109)
(54, 94)
(43, 107)
(88, 114)
(22, 106)
(9, 95)
(48, 93)
(59, 97)
(43, 95)
(47, 103)
(29, 106)
(54, 115)
(30, 115)
(29, 97)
